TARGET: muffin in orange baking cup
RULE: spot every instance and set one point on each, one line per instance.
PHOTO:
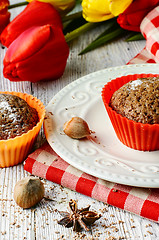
(136, 134)
(14, 150)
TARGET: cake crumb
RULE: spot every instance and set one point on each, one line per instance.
(150, 232)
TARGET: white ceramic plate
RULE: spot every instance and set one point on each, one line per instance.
(103, 155)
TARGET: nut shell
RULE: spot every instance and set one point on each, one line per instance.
(76, 128)
(28, 192)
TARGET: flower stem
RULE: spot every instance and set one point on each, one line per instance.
(17, 5)
(77, 32)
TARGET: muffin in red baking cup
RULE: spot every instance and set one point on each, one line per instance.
(136, 135)
(14, 150)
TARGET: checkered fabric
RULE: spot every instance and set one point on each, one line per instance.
(45, 163)
(150, 30)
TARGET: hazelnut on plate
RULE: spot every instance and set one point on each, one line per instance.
(76, 128)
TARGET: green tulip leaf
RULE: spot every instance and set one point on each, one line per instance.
(72, 16)
(135, 37)
(107, 36)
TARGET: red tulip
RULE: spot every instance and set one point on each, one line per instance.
(39, 53)
(4, 14)
(35, 14)
(131, 18)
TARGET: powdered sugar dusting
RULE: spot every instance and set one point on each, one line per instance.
(135, 83)
(5, 106)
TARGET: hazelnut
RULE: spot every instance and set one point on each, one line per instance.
(76, 128)
(28, 192)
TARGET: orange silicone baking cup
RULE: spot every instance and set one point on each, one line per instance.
(14, 150)
(144, 137)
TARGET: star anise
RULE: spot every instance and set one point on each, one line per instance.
(78, 218)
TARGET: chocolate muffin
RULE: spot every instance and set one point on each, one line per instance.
(138, 100)
(16, 116)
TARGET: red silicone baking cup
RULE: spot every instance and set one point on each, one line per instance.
(14, 150)
(139, 136)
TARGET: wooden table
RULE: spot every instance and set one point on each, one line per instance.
(41, 222)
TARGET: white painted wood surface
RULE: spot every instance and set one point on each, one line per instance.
(41, 222)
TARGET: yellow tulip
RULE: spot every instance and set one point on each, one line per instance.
(100, 10)
(62, 6)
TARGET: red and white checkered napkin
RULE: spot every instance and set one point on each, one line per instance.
(45, 163)
(150, 30)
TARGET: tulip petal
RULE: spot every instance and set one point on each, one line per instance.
(4, 4)
(62, 6)
(4, 14)
(131, 18)
(46, 61)
(35, 14)
(96, 10)
(4, 20)
(29, 42)
(96, 5)
(118, 6)
(96, 18)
